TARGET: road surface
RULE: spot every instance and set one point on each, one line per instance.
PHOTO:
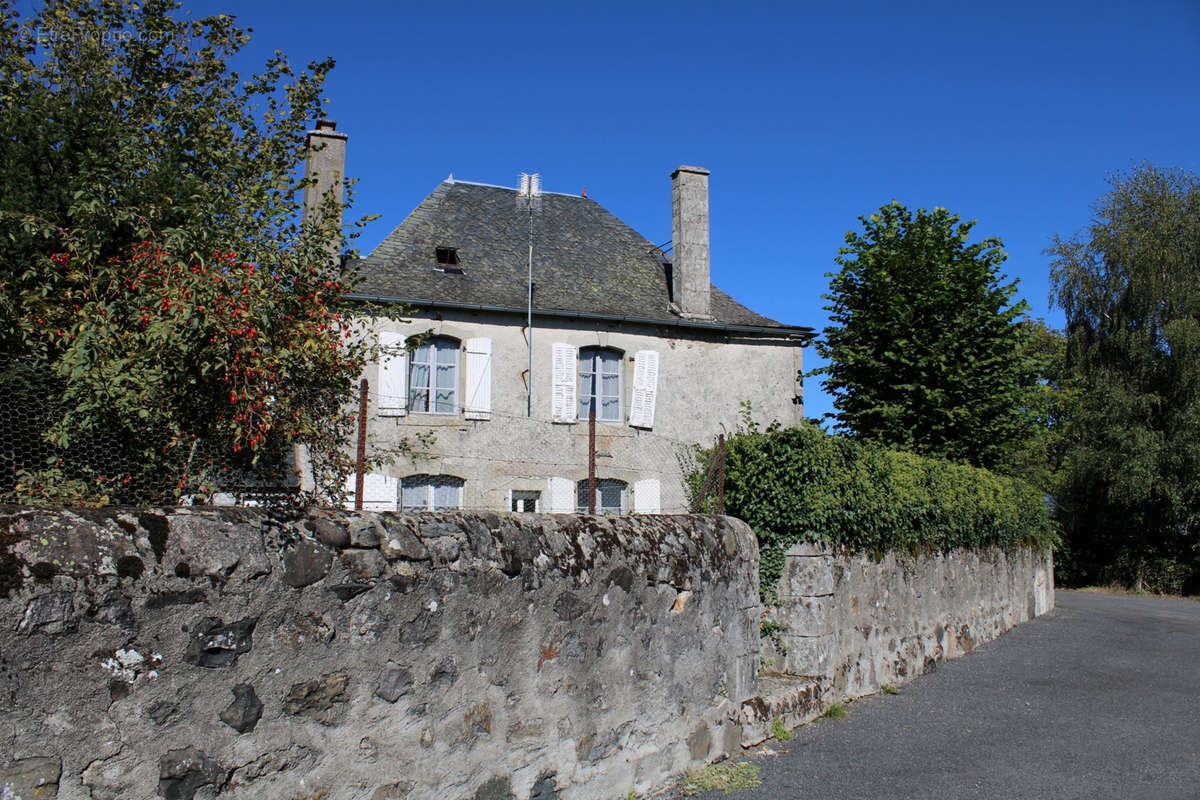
(1099, 699)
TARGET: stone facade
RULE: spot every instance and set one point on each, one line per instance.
(197, 653)
(696, 398)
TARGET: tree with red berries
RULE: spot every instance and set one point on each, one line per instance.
(155, 280)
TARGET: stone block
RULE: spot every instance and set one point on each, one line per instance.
(50, 614)
(305, 564)
(214, 644)
(806, 615)
(365, 532)
(365, 564)
(244, 712)
(182, 772)
(806, 576)
(808, 655)
(31, 778)
(394, 681)
(323, 699)
(809, 549)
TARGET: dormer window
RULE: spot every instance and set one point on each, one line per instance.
(447, 260)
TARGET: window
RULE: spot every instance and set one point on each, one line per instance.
(526, 501)
(431, 493)
(433, 377)
(611, 496)
(447, 260)
(600, 384)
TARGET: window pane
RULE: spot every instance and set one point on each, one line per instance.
(419, 400)
(447, 353)
(414, 495)
(585, 396)
(610, 409)
(609, 362)
(445, 376)
(609, 500)
(443, 401)
(419, 376)
(446, 495)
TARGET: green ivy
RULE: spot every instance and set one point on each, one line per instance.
(796, 484)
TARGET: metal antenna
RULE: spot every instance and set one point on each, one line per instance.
(529, 198)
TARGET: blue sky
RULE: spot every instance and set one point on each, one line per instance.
(808, 114)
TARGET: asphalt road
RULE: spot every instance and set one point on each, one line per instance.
(1099, 699)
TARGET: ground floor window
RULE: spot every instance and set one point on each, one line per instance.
(612, 496)
(526, 501)
(431, 493)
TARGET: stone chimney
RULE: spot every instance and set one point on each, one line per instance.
(689, 237)
(325, 161)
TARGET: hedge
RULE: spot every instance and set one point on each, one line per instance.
(794, 484)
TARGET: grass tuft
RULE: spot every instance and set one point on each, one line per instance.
(836, 711)
(889, 689)
(780, 731)
(725, 777)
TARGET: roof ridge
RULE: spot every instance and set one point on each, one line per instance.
(453, 181)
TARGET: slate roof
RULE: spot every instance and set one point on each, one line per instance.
(585, 259)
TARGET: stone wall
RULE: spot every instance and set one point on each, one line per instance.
(223, 652)
(854, 624)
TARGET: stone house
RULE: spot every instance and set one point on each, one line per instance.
(529, 310)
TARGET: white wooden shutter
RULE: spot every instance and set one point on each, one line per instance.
(645, 389)
(380, 493)
(479, 379)
(562, 495)
(564, 403)
(393, 376)
(647, 497)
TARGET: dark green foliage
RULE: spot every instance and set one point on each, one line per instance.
(1130, 287)
(792, 484)
(927, 353)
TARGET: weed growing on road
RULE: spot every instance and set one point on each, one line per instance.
(727, 777)
(836, 711)
(889, 689)
(780, 731)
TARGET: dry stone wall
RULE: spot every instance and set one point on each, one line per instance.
(855, 624)
(201, 653)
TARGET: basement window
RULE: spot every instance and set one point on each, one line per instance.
(447, 260)
(526, 502)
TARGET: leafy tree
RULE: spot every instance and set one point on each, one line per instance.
(1039, 459)
(156, 282)
(927, 352)
(1130, 287)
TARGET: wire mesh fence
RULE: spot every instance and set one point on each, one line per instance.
(411, 462)
(48, 458)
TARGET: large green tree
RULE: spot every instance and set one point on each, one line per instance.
(162, 309)
(927, 351)
(1130, 287)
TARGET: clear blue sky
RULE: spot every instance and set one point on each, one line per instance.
(808, 114)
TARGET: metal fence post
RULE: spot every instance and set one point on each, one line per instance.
(721, 473)
(361, 459)
(592, 459)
